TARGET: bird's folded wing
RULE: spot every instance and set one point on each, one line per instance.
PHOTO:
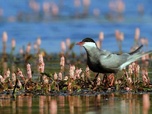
(113, 60)
(133, 58)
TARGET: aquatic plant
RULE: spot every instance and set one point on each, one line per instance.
(75, 82)
(40, 73)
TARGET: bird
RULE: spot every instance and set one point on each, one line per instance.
(103, 61)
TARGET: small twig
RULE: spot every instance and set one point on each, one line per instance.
(14, 88)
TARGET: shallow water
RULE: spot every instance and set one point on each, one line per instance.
(113, 103)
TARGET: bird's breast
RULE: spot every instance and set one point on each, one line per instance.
(96, 66)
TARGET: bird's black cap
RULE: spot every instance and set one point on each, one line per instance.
(88, 40)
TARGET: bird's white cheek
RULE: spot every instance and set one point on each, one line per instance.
(89, 45)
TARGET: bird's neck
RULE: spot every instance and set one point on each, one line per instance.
(89, 46)
(92, 51)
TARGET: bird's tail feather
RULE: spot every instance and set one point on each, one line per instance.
(135, 51)
(133, 58)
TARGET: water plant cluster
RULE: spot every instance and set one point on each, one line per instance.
(66, 73)
(74, 79)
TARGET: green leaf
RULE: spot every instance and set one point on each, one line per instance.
(47, 74)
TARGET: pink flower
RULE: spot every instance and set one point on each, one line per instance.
(38, 41)
(13, 77)
(129, 79)
(45, 79)
(98, 81)
(41, 67)
(144, 41)
(62, 61)
(110, 79)
(34, 5)
(137, 33)
(35, 46)
(55, 9)
(19, 73)
(130, 69)
(41, 64)
(55, 76)
(98, 44)
(87, 69)
(4, 37)
(145, 77)
(66, 78)
(68, 42)
(2, 80)
(96, 12)
(119, 35)
(40, 58)
(135, 68)
(86, 3)
(28, 48)
(8, 73)
(46, 7)
(21, 51)
(101, 36)
(63, 47)
(78, 72)
(71, 71)
(60, 76)
(29, 72)
(117, 5)
(77, 3)
(13, 43)
(127, 88)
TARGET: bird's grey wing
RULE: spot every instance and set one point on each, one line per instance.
(113, 61)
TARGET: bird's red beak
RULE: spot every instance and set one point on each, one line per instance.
(80, 43)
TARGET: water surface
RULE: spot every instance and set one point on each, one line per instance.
(113, 103)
